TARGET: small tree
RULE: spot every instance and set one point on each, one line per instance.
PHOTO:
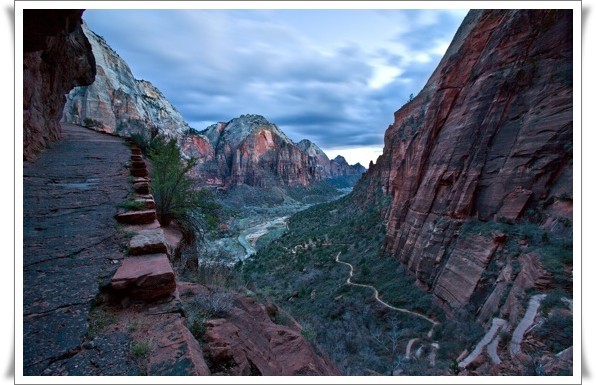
(176, 197)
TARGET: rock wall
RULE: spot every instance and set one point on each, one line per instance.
(118, 103)
(56, 57)
(249, 150)
(489, 138)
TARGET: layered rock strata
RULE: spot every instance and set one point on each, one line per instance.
(489, 138)
(120, 104)
(247, 150)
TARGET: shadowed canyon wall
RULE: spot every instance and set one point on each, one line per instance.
(56, 57)
(488, 140)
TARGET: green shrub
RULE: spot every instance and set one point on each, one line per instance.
(91, 123)
(140, 349)
(176, 196)
(557, 331)
(198, 327)
(132, 205)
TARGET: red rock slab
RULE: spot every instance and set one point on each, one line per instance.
(136, 158)
(247, 342)
(136, 151)
(147, 203)
(139, 172)
(514, 204)
(145, 278)
(141, 187)
(139, 164)
(150, 241)
(137, 217)
(141, 179)
(176, 351)
(173, 240)
(136, 228)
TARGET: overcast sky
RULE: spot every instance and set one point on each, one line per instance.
(332, 76)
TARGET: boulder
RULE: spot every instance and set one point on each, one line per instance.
(139, 172)
(249, 343)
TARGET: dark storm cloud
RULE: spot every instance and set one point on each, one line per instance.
(334, 77)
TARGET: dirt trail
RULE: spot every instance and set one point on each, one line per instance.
(524, 324)
(409, 347)
(497, 324)
(376, 294)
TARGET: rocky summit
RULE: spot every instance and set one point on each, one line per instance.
(249, 150)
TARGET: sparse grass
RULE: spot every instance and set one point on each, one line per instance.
(197, 326)
(99, 319)
(140, 349)
(132, 326)
(132, 205)
(140, 352)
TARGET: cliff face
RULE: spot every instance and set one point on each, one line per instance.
(118, 103)
(56, 57)
(488, 140)
(249, 150)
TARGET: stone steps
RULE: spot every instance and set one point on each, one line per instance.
(137, 217)
(146, 278)
(149, 241)
(146, 274)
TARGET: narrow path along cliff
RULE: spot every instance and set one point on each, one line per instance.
(376, 295)
(71, 243)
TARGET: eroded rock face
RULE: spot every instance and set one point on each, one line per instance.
(118, 103)
(56, 57)
(488, 138)
(247, 342)
(249, 150)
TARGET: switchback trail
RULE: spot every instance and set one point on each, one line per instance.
(524, 324)
(489, 337)
(376, 294)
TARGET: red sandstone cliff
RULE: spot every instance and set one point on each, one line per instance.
(489, 138)
(249, 150)
(56, 57)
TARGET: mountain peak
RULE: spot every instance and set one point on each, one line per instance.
(340, 159)
(312, 149)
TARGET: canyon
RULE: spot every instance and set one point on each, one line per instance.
(464, 224)
(474, 195)
(100, 294)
